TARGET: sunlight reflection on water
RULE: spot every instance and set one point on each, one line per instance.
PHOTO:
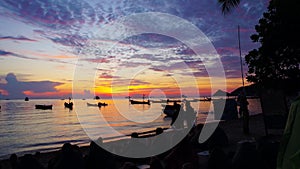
(26, 129)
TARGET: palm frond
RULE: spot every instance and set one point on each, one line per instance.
(227, 5)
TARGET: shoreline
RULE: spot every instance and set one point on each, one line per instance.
(106, 140)
(232, 128)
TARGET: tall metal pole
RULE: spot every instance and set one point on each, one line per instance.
(243, 98)
(241, 60)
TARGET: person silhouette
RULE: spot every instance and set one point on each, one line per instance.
(243, 111)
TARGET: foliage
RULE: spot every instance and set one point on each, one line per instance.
(228, 5)
(276, 62)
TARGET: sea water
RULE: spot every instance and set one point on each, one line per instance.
(25, 129)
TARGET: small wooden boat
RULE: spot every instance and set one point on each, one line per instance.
(69, 105)
(91, 104)
(139, 102)
(43, 106)
(102, 104)
(158, 101)
(206, 99)
(173, 101)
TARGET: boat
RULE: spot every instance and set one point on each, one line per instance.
(26, 99)
(173, 101)
(158, 101)
(206, 99)
(69, 105)
(43, 106)
(172, 110)
(91, 104)
(102, 104)
(139, 102)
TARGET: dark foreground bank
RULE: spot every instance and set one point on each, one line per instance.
(227, 148)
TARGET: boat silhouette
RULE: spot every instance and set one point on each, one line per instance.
(43, 106)
(102, 104)
(99, 104)
(69, 105)
(139, 102)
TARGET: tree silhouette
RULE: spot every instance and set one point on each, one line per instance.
(276, 62)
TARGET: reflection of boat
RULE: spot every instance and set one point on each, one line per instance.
(139, 102)
(90, 104)
(43, 107)
(26, 99)
(172, 110)
(102, 104)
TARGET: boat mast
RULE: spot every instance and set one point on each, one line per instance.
(241, 60)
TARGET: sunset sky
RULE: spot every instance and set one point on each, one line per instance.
(45, 44)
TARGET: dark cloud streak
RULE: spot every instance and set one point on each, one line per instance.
(21, 38)
(5, 53)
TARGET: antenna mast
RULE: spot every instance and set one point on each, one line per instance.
(241, 60)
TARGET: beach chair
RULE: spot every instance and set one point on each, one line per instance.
(274, 109)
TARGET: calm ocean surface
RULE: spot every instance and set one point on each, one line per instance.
(25, 129)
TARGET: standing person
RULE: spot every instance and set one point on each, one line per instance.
(176, 108)
(190, 115)
(243, 111)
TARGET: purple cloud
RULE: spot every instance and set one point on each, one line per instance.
(16, 88)
(156, 69)
(52, 13)
(136, 82)
(107, 76)
(69, 23)
(152, 40)
(97, 60)
(68, 40)
(232, 66)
